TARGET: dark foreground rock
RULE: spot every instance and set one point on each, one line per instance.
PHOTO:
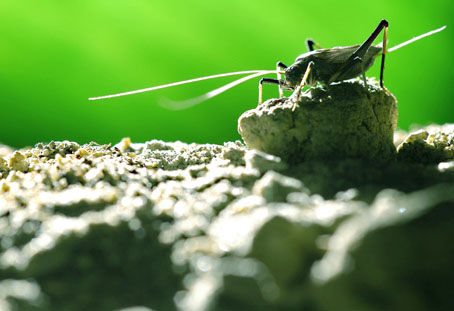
(174, 226)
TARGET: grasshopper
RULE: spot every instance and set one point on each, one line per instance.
(319, 65)
(330, 65)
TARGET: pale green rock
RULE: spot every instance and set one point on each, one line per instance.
(3, 164)
(18, 162)
(338, 121)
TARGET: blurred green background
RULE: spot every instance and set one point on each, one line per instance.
(55, 54)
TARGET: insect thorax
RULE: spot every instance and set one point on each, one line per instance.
(294, 73)
(320, 71)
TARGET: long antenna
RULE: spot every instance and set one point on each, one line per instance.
(415, 39)
(183, 104)
(258, 72)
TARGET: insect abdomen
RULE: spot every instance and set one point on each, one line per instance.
(321, 71)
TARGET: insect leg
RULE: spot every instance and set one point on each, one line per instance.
(302, 84)
(269, 81)
(279, 66)
(310, 45)
(364, 75)
(385, 38)
(359, 53)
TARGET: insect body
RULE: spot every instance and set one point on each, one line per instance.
(327, 65)
(331, 65)
(316, 66)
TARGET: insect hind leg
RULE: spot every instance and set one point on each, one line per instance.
(310, 45)
(385, 38)
(361, 51)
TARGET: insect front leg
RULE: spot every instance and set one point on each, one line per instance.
(279, 66)
(269, 81)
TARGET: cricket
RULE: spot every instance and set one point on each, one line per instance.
(318, 65)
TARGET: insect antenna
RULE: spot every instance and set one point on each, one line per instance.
(415, 39)
(255, 73)
(183, 104)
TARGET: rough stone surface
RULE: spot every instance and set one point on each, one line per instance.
(342, 120)
(430, 145)
(174, 226)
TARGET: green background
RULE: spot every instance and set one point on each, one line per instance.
(55, 54)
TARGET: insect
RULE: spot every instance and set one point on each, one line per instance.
(320, 65)
(331, 65)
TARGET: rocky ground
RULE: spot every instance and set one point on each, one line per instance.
(197, 227)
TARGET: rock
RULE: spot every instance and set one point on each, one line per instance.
(21, 292)
(18, 162)
(431, 145)
(4, 150)
(274, 187)
(263, 161)
(3, 164)
(401, 240)
(342, 120)
(176, 226)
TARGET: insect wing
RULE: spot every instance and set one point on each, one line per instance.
(335, 55)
